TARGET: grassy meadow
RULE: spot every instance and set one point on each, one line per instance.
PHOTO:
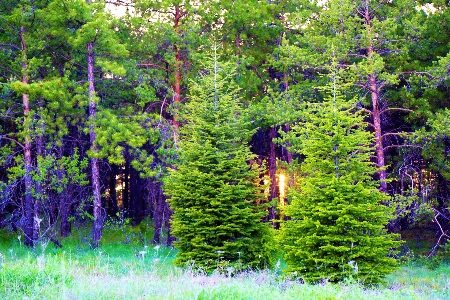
(126, 266)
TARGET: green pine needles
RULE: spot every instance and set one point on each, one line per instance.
(336, 229)
(214, 192)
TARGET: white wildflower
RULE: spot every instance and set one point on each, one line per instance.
(354, 265)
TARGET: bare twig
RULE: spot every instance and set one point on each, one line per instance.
(443, 233)
(400, 146)
(10, 139)
(419, 73)
(395, 108)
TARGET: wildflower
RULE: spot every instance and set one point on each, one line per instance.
(354, 265)
(277, 265)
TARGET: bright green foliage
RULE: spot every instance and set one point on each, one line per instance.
(214, 192)
(337, 222)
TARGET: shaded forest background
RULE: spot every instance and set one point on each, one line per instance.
(92, 102)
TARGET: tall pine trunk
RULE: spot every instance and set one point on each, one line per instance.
(177, 79)
(273, 194)
(64, 202)
(136, 203)
(112, 204)
(39, 188)
(28, 205)
(126, 189)
(379, 150)
(95, 179)
(376, 115)
(158, 209)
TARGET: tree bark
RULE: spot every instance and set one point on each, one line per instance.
(112, 204)
(136, 202)
(376, 115)
(273, 194)
(28, 199)
(177, 79)
(159, 202)
(39, 190)
(95, 179)
(379, 151)
(64, 202)
(126, 189)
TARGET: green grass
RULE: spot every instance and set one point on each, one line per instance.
(136, 270)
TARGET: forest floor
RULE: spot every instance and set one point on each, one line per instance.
(127, 267)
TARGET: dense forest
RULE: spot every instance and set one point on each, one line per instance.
(233, 128)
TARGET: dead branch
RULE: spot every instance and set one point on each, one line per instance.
(400, 146)
(146, 65)
(10, 139)
(419, 73)
(443, 233)
(395, 108)
(395, 134)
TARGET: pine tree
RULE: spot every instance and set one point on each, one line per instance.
(90, 31)
(337, 222)
(25, 69)
(214, 192)
(372, 38)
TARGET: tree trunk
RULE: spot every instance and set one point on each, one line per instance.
(126, 189)
(28, 199)
(177, 79)
(95, 179)
(170, 237)
(39, 190)
(375, 97)
(64, 203)
(272, 171)
(158, 199)
(112, 204)
(64, 210)
(379, 150)
(136, 202)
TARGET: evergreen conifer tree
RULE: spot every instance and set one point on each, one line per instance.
(337, 220)
(214, 192)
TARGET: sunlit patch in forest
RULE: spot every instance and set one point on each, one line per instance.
(282, 188)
